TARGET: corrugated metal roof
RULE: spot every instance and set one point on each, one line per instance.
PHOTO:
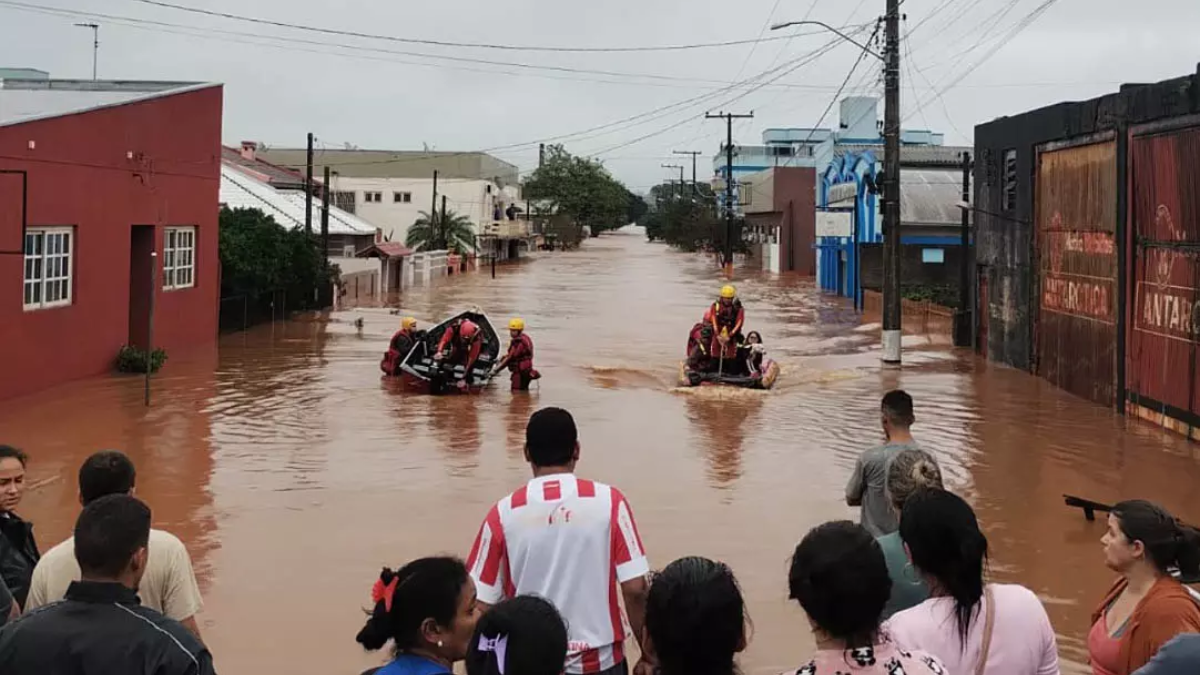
(278, 176)
(28, 100)
(241, 191)
(927, 196)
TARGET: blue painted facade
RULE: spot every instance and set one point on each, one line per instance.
(837, 257)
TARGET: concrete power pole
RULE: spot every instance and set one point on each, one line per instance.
(325, 217)
(95, 43)
(729, 118)
(694, 154)
(308, 187)
(965, 324)
(891, 186)
(681, 182)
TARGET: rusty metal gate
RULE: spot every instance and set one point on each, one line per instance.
(1075, 211)
(1165, 312)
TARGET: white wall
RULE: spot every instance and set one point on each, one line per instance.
(467, 197)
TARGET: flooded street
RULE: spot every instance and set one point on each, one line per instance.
(294, 473)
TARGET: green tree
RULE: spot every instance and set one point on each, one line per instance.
(580, 189)
(258, 255)
(456, 233)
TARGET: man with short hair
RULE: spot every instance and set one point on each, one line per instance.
(169, 584)
(868, 484)
(101, 627)
(569, 540)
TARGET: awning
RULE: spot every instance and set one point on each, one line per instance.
(385, 249)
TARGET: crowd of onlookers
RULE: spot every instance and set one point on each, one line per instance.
(558, 581)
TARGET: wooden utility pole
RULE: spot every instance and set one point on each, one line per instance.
(729, 118)
(694, 154)
(308, 191)
(891, 185)
(433, 209)
(325, 217)
(681, 183)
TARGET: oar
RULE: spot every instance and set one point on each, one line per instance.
(721, 363)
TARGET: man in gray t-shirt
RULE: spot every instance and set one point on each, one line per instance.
(868, 484)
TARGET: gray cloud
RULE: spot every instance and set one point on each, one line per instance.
(1076, 50)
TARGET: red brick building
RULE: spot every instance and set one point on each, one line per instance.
(108, 196)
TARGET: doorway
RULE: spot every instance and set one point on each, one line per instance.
(142, 269)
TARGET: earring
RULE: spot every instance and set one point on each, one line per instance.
(439, 643)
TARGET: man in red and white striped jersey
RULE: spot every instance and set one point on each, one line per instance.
(569, 540)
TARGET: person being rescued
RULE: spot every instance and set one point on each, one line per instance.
(399, 347)
(753, 352)
(699, 354)
(519, 359)
(460, 345)
(728, 317)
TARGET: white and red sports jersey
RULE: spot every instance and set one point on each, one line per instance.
(570, 541)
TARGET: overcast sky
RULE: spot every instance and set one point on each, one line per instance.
(364, 95)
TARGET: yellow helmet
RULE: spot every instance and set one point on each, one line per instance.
(408, 323)
(728, 292)
(516, 324)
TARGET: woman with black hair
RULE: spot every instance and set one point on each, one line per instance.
(992, 629)
(695, 619)
(1147, 606)
(427, 610)
(839, 577)
(524, 635)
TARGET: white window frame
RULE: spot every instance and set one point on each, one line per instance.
(179, 258)
(401, 197)
(55, 249)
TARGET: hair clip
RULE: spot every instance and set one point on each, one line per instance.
(499, 645)
(383, 592)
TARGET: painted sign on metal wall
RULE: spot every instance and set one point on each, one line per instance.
(1076, 219)
(834, 223)
(1165, 312)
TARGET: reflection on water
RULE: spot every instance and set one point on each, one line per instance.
(293, 472)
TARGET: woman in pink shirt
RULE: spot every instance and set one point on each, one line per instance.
(840, 578)
(975, 629)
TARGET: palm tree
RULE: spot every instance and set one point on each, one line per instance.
(431, 234)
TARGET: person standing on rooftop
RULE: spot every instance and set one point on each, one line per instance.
(571, 541)
(868, 484)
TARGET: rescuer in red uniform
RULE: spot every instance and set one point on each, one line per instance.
(519, 358)
(460, 344)
(727, 320)
(699, 354)
(399, 347)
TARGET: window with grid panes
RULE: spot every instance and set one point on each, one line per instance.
(48, 267)
(179, 258)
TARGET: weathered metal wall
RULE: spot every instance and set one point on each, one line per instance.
(1165, 312)
(1076, 220)
(1005, 235)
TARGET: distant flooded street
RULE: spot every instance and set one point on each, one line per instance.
(293, 472)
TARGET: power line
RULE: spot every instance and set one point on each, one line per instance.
(449, 43)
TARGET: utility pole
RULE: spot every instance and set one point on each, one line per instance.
(681, 183)
(694, 154)
(308, 191)
(433, 209)
(891, 186)
(325, 217)
(541, 154)
(95, 43)
(963, 328)
(442, 229)
(729, 118)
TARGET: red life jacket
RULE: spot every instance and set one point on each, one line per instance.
(520, 354)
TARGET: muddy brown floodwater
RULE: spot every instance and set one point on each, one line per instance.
(293, 472)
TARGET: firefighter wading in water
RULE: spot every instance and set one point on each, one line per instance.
(727, 320)
(519, 358)
(401, 344)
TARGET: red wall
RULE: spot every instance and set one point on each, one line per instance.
(80, 175)
(797, 186)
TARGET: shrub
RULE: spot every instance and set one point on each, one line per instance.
(135, 360)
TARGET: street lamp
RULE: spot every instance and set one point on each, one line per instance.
(891, 170)
(95, 43)
(822, 24)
